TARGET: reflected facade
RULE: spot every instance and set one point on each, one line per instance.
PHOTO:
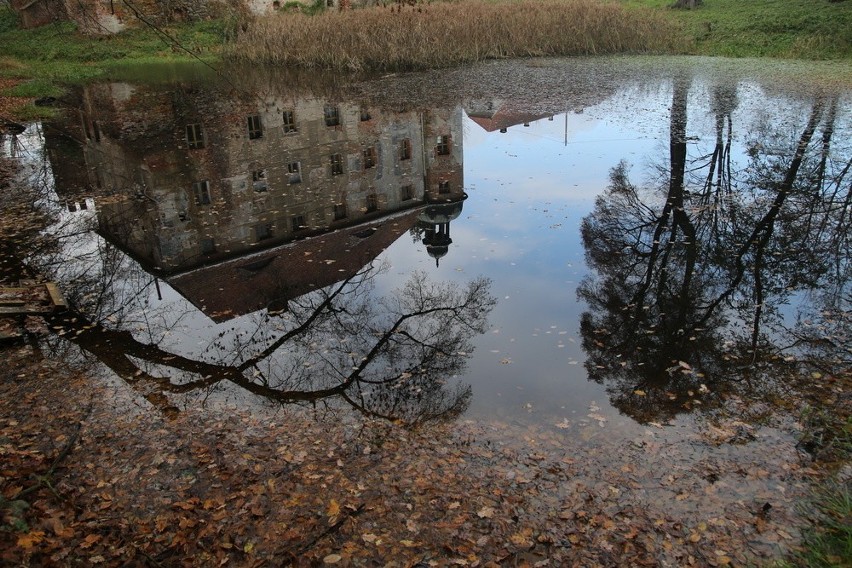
(273, 196)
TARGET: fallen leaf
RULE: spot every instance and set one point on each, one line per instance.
(90, 540)
(485, 513)
(30, 539)
(522, 539)
(333, 509)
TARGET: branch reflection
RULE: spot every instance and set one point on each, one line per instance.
(692, 273)
(388, 357)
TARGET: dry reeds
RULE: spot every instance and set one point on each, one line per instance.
(446, 34)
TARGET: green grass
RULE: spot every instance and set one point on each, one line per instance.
(798, 29)
(805, 29)
(29, 112)
(312, 9)
(828, 542)
(33, 89)
(57, 53)
(827, 439)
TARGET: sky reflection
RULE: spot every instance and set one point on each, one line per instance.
(222, 240)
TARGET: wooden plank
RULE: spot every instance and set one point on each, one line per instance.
(32, 299)
(25, 310)
(56, 296)
(15, 310)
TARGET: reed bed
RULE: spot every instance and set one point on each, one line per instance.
(447, 34)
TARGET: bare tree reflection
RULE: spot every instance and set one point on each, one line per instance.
(388, 357)
(690, 275)
(393, 356)
(643, 322)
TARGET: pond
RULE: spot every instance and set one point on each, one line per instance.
(584, 306)
(578, 246)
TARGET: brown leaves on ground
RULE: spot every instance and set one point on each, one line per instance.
(256, 486)
(8, 104)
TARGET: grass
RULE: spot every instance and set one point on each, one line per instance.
(827, 439)
(45, 59)
(796, 29)
(828, 542)
(442, 34)
(827, 435)
(57, 53)
(429, 35)
(452, 33)
(34, 89)
(42, 60)
(28, 112)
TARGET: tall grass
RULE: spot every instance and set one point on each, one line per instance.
(445, 34)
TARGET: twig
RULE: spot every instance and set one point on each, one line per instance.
(45, 479)
(333, 528)
(148, 557)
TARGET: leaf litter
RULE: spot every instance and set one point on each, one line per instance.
(263, 486)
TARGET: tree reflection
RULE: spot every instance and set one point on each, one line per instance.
(387, 357)
(690, 273)
(25, 179)
(391, 355)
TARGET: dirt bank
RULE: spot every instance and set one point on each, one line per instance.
(94, 474)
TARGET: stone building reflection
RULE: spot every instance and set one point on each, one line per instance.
(242, 203)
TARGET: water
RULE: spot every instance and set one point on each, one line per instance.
(586, 243)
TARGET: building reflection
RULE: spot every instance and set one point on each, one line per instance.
(498, 115)
(435, 222)
(246, 203)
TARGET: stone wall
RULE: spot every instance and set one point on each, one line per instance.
(103, 17)
(111, 16)
(35, 13)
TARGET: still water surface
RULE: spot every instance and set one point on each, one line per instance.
(612, 242)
